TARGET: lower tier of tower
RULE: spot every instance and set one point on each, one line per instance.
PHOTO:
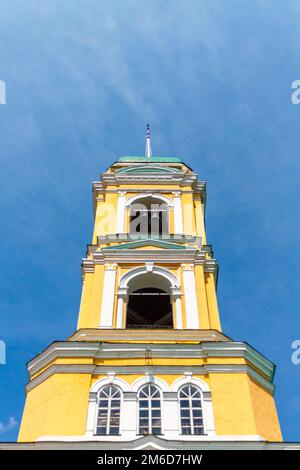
(174, 387)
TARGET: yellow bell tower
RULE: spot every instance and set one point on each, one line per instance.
(148, 362)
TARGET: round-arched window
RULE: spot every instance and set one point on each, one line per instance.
(191, 410)
(109, 405)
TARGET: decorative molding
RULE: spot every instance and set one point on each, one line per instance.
(73, 349)
(149, 194)
(218, 442)
(129, 275)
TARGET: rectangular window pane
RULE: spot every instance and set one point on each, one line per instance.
(185, 422)
(156, 431)
(143, 422)
(114, 430)
(184, 404)
(144, 404)
(196, 403)
(185, 413)
(156, 413)
(155, 423)
(144, 413)
(197, 413)
(198, 431)
(115, 403)
(101, 422)
(103, 403)
(101, 430)
(186, 430)
(155, 403)
(198, 422)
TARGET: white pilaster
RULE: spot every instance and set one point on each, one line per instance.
(191, 308)
(122, 295)
(178, 226)
(208, 414)
(121, 211)
(108, 293)
(178, 313)
(91, 417)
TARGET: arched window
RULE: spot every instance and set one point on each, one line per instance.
(149, 217)
(149, 303)
(109, 403)
(149, 410)
(191, 410)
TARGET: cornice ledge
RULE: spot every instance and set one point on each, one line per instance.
(235, 349)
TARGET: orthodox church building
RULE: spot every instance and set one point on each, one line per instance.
(148, 366)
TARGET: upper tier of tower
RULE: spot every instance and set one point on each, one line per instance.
(149, 180)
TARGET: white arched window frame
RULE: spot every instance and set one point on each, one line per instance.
(92, 415)
(191, 410)
(108, 410)
(149, 409)
(207, 409)
(174, 287)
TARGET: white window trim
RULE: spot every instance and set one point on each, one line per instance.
(161, 408)
(109, 414)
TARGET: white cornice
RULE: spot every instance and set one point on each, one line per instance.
(163, 256)
(234, 442)
(152, 370)
(262, 372)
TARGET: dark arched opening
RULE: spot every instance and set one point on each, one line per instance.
(149, 307)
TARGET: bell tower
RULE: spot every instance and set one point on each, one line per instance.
(148, 359)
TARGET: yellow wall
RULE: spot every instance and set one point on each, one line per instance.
(58, 406)
(265, 412)
(243, 407)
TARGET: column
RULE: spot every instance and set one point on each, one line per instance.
(121, 211)
(178, 226)
(191, 308)
(176, 297)
(122, 295)
(91, 417)
(108, 294)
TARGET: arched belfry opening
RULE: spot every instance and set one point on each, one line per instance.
(149, 302)
(149, 216)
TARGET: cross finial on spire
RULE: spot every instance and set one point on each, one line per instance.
(148, 152)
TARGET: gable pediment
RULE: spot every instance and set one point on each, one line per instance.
(148, 244)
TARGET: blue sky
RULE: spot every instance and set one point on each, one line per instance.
(213, 78)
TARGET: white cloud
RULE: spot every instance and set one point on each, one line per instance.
(11, 424)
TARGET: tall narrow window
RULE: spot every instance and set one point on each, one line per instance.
(149, 410)
(108, 419)
(191, 410)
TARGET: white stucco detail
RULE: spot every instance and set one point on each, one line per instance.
(121, 212)
(162, 198)
(191, 307)
(106, 318)
(120, 310)
(178, 313)
(173, 280)
(178, 225)
(149, 379)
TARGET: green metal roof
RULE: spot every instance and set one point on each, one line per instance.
(151, 159)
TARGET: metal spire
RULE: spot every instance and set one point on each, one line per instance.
(148, 152)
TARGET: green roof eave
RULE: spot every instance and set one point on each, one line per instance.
(145, 242)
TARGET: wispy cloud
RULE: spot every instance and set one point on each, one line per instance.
(11, 424)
